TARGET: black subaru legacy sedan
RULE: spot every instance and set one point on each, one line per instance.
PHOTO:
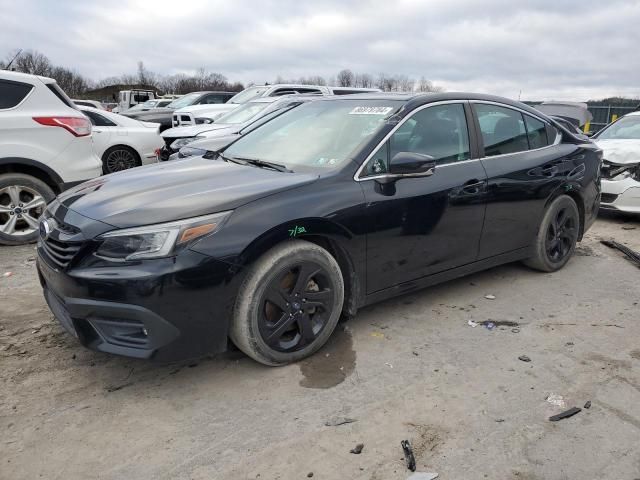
(334, 205)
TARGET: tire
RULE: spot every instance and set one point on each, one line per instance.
(557, 236)
(23, 199)
(272, 324)
(119, 158)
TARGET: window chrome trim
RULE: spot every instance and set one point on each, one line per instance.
(356, 176)
(555, 143)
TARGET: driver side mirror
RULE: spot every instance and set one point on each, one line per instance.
(412, 164)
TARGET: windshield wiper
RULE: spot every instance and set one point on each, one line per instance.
(239, 161)
(263, 164)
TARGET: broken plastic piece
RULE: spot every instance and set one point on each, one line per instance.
(566, 414)
(7, 274)
(631, 254)
(490, 297)
(357, 450)
(473, 324)
(490, 325)
(408, 455)
(423, 476)
(587, 405)
(556, 400)
(337, 421)
(524, 358)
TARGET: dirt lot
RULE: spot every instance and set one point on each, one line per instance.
(409, 368)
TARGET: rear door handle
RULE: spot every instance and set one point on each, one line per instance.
(473, 186)
(550, 170)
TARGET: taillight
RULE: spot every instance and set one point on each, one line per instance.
(77, 126)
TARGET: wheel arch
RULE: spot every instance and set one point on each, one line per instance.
(34, 168)
(334, 238)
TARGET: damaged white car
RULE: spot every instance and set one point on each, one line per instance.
(620, 142)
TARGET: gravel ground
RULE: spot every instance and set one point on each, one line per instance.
(409, 368)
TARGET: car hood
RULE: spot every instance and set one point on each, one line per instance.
(175, 190)
(208, 108)
(620, 151)
(194, 130)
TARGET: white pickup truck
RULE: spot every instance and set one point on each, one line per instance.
(204, 114)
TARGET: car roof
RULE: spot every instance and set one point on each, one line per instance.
(23, 77)
(413, 99)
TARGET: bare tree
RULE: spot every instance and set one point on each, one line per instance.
(32, 62)
(345, 78)
(425, 85)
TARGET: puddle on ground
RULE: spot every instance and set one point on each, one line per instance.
(322, 371)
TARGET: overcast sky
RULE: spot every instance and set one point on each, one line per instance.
(560, 49)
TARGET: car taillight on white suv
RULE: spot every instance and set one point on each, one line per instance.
(77, 126)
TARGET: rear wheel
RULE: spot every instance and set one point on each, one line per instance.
(557, 236)
(119, 158)
(289, 304)
(23, 199)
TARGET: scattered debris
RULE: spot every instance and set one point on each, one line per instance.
(569, 344)
(473, 324)
(115, 388)
(357, 450)
(310, 474)
(500, 323)
(524, 358)
(628, 227)
(377, 334)
(489, 325)
(631, 254)
(556, 400)
(490, 297)
(587, 405)
(423, 476)
(337, 421)
(566, 414)
(388, 364)
(408, 455)
(7, 274)
(415, 353)
(515, 330)
(499, 420)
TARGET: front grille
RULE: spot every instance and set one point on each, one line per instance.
(59, 252)
(610, 170)
(608, 198)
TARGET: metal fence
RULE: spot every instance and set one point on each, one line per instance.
(605, 114)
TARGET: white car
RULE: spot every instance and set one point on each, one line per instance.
(121, 142)
(199, 114)
(620, 142)
(45, 148)
(88, 103)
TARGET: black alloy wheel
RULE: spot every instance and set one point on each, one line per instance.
(561, 234)
(296, 307)
(118, 159)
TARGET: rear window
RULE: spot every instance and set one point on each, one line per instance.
(57, 91)
(12, 93)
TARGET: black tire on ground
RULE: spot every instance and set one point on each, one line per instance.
(557, 236)
(130, 159)
(19, 189)
(289, 303)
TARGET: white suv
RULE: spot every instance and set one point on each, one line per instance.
(45, 147)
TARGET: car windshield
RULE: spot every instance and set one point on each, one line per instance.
(244, 113)
(627, 128)
(149, 103)
(184, 101)
(320, 134)
(248, 94)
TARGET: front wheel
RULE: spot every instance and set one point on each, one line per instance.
(119, 158)
(289, 304)
(557, 236)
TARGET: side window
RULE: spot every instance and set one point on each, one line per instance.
(503, 130)
(439, 131)
(536, 132)
(98, 120)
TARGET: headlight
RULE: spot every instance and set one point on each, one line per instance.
(203, 121)
(181, 142)
(191, 152)
(155, 241)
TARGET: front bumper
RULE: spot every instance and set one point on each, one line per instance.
(621, 195)
(164, 309)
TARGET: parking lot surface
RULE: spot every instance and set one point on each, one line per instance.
(409, 368)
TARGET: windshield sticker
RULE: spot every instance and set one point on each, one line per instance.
(370, 111)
